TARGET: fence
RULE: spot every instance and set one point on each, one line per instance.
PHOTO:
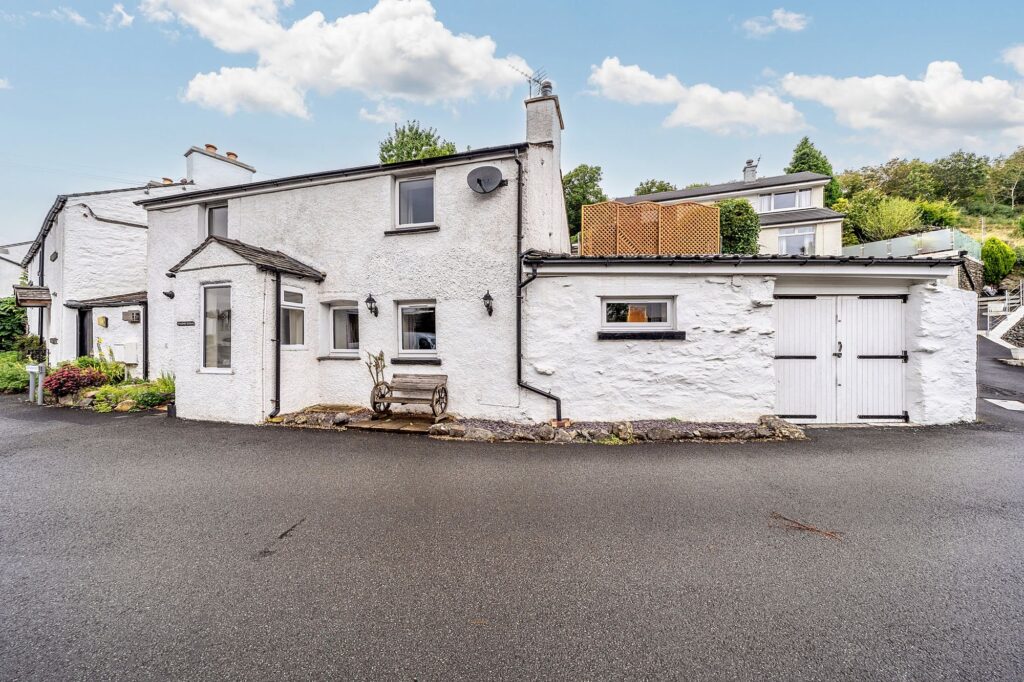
(613, 228)
(947, 239)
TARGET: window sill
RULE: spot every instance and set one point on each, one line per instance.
(413, 229)
(294, 347)
(214, 370)
(338, 357)
(642, 335)
(412, 360)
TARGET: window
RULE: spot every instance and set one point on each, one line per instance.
(217, 221)
(797, 240)
(345, 329)
(781, 201)
(217, 327)
(625, 313)
(416, 202)
(293, 317)
(417, 333)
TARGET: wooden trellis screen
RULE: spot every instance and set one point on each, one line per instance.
(645, 228)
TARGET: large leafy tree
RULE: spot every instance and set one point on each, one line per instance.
(412, 141)
(807, 157)
(581, 185)
(739, 226)
(653, 186)
(1007, 177)
(960, 176)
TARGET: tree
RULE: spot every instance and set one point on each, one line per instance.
(12, 323)
(891, 217)
(581, 185)
(939, 213)
(807, 157)
(851, 182)
(652, 186)
(739, 226)
(856, 212)
(410, 141)
(1007, 177)
(960, 176)
(998, 258)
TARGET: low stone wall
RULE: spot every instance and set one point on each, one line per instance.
(977, 270)
(1016, 335)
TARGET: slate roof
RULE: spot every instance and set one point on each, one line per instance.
(800, 215)
(26, 294)
(135, 298)
(770, 181)
(265, 259)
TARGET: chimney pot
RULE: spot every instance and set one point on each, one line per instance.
(167, 181)
(545, 89)
(231, 155)
(212, 148)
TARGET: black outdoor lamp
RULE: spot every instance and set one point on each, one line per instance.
(371, 305)
(489, 303)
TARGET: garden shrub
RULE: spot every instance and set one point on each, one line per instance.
(107, 397)
(30, 345)
(998, 258)
(146, 395)
(891, 217)
(13, 375)
(12, 323)
(739, 225)
(939, 213)
(71, 379)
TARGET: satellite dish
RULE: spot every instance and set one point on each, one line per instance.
(485, 179)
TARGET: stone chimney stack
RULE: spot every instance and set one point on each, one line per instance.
(750, 171)
(544, 222)
(206, 167)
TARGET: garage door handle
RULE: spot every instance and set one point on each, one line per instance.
(839, 353)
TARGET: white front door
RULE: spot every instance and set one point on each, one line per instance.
(839, 359)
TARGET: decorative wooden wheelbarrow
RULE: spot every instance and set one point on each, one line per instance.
(411, 389)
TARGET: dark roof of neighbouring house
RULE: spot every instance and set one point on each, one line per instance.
(770, 181)
(800, 215)
(135, 298)
(265, 259)
(738, 259)
(339, 173)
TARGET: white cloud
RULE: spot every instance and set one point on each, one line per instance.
(385, 113)
(1014, 56)
(5, 84)
(780, 19)
(700, 106)
(941, 108)
(397, 50)
(118, 17)
(63, 13)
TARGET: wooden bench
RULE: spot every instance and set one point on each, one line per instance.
(411, 389)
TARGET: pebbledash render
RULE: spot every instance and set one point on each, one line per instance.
(313, 272)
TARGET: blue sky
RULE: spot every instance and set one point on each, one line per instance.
(95, 96)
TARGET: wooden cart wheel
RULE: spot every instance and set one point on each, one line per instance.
(379, 395)
(439, 401)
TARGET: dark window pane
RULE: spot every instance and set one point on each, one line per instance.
(217, 221)
(785, 200)
(292, 327)
(217, 327)
(292, 296)
(346, 329)
(416, 201)
(418, 332)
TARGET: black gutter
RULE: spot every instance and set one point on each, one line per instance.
(520, 284)
(145, 341)
(277, 347)
(562, 259)
(341, 173)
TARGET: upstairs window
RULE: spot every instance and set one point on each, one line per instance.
(217, 221)
(416, 202)
(780, 201)
(636, 313)
(293, 318)
(797, 241)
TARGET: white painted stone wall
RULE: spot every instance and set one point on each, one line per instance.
(942, 349)
(120, 337)
(722, 371)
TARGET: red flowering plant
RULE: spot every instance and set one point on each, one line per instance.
(71, 379)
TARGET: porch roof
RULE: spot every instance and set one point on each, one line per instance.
(265, 259)
(135, 298)
(32, 296)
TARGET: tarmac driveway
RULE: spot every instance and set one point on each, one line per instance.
(139, 546)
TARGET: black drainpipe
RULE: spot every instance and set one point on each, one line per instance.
(145, 340)
(277, 347)
(520, 284)
(42, 259)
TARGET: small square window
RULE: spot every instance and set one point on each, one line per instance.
(417, 333)
(344, 330)
(217, 221)
(415, 202)
(637, 313)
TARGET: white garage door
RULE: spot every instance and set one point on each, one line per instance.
(840, 359)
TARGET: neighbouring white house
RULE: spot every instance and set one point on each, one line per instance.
(10, 266)
(87, 265)
(460, 266)
(791, 208)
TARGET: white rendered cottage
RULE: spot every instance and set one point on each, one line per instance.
(87, 265)
(318, 270)
(10, 266)
(791, 209)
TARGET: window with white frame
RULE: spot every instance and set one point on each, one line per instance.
(217, 221)
(217, 327)
(416, 202)
(345, 329)
(417, 329)
(781, 201)
(293, 317)
(636, 313)
(797, 241)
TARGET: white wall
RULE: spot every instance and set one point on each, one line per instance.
(120, 337)
(942, 348)
(722, 371)
(209, 170)
(828, 239)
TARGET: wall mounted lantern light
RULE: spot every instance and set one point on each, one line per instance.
(489, 303)
(371, 305)
(169, 294)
